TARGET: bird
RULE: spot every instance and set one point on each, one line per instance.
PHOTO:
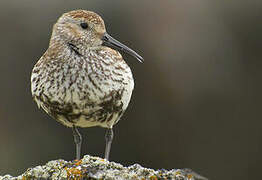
(82, 79)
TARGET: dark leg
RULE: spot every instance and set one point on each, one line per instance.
(78, 141)
(109, 138)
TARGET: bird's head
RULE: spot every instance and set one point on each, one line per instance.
(87, 29)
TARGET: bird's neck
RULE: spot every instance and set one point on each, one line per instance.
(76, 46)
(59, 46)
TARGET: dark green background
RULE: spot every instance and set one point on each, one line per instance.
(197, 98)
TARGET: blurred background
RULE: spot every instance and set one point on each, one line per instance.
(197, 100)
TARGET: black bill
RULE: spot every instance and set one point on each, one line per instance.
(111, 42)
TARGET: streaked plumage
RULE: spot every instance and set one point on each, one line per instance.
(79, 81)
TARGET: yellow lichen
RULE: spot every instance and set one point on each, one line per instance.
(189, 176)
(78, 162)
(153, 177)
(74, 173)
(177, 173)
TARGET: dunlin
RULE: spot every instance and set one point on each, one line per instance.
(80, 81)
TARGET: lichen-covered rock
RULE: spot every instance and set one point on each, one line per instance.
(96, 168)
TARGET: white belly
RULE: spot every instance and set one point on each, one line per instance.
(81, 94)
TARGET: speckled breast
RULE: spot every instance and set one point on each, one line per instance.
(88, 89)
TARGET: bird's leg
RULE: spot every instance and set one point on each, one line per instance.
(109, 138)
(78, 141)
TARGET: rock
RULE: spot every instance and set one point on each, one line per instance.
(97, 168)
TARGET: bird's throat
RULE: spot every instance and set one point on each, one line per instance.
(74, 48)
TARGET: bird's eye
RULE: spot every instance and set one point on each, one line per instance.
(84, 25)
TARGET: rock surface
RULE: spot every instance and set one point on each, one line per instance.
(96, 168)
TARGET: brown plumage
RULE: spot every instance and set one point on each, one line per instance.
(81, 82)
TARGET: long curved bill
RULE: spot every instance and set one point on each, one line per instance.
(111, 42)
